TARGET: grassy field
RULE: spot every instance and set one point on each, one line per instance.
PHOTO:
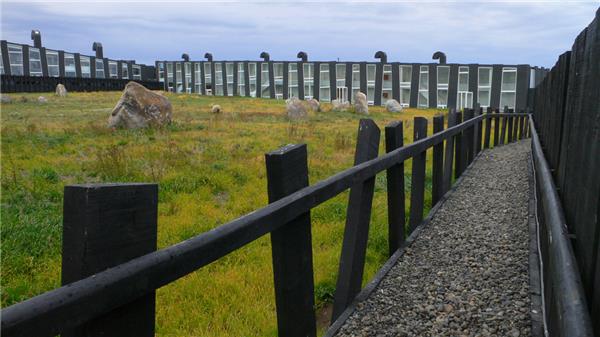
(210, 170)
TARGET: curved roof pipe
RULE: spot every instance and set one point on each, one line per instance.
(208, 57)
(185, 57)
(265, 56)
(36, 36)
(97, 47)
(438, 55)
(303, 56)
(382, 56)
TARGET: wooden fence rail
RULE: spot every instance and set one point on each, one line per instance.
(125, 291)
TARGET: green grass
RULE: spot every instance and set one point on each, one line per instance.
(210, 170)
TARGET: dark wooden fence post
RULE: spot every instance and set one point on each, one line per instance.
(503, 131)
(417, 192)
(287, 172)
(515, 126)
(458, 145)
(478, 132)
(437, 174)
(449, 155)
(394, 139)
(105, 225)
(496, 127)
(358, 215)
(509, 136)
(488, 128)
(468, 140)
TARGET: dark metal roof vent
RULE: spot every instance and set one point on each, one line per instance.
(185, 57)
(265, 56)
(208, 57)
(438, 55)
(302, 55)
(382, 56)
(97, 47)
(36, 36)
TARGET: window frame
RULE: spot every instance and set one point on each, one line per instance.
(88, 73)
(70, 56)
(423, 87)
(101, 69)
(13, 63)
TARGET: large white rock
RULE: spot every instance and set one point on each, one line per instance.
(360, 103)
(216, 109)
(140, 108)
(392, 105)
(61, 91)
(5, 99)
(42, 100)
(295, 108)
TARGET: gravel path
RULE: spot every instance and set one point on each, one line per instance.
(467, 272)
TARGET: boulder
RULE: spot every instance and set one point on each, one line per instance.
(339, 105)
(391, 105)
(216, 109)
(314, 105)
(42, 100)
(295, 108)
(61, 91)
(360, 103)
(140, 108)
(5, 99)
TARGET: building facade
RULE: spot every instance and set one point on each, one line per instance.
(419, 85)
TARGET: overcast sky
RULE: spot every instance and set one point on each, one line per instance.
(468, 32)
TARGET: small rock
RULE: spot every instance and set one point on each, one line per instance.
(216, 109)
(391, 105)
(23, 99)
(360, 103)
(5, 99)
(61, 91)
(314, 105)
(515, 333)
(448, 308)
(339, 105)
(42, 100)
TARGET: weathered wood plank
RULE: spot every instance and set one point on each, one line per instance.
(358, 215)
(287, 172)
(394, 139)
(488, 128)
(417, 192)
(449, 154)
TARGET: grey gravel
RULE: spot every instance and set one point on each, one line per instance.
(467, 272)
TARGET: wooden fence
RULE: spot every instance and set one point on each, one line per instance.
(10, 84)
(111, 268)
(567, 118)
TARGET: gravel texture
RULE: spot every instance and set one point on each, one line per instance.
(467, 272)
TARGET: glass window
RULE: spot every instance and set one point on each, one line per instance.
(161, 72)
(386, 84)
(187, 70)
(423, 101)
(218, 79)
(355, 79)
(84, 63)
(340, 75)
(371, 71)
(124, 70)
(405, 80)
(52, 59)
(241, 79)
(278, 78)
(100, 68)
(309, 79)
(443, 79)
(70, 65)
(484, 86)
(464, 96)
(229, 74)
(1, 63)
(207, 78)
(292, 80)
(463, 78)
(15, 58)
(252, 78)
(169, 76)
(35, 62)
(137, 71)
(198, 78)
(264, 80)
(324, 85)
(112, 69)
(508, 91)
